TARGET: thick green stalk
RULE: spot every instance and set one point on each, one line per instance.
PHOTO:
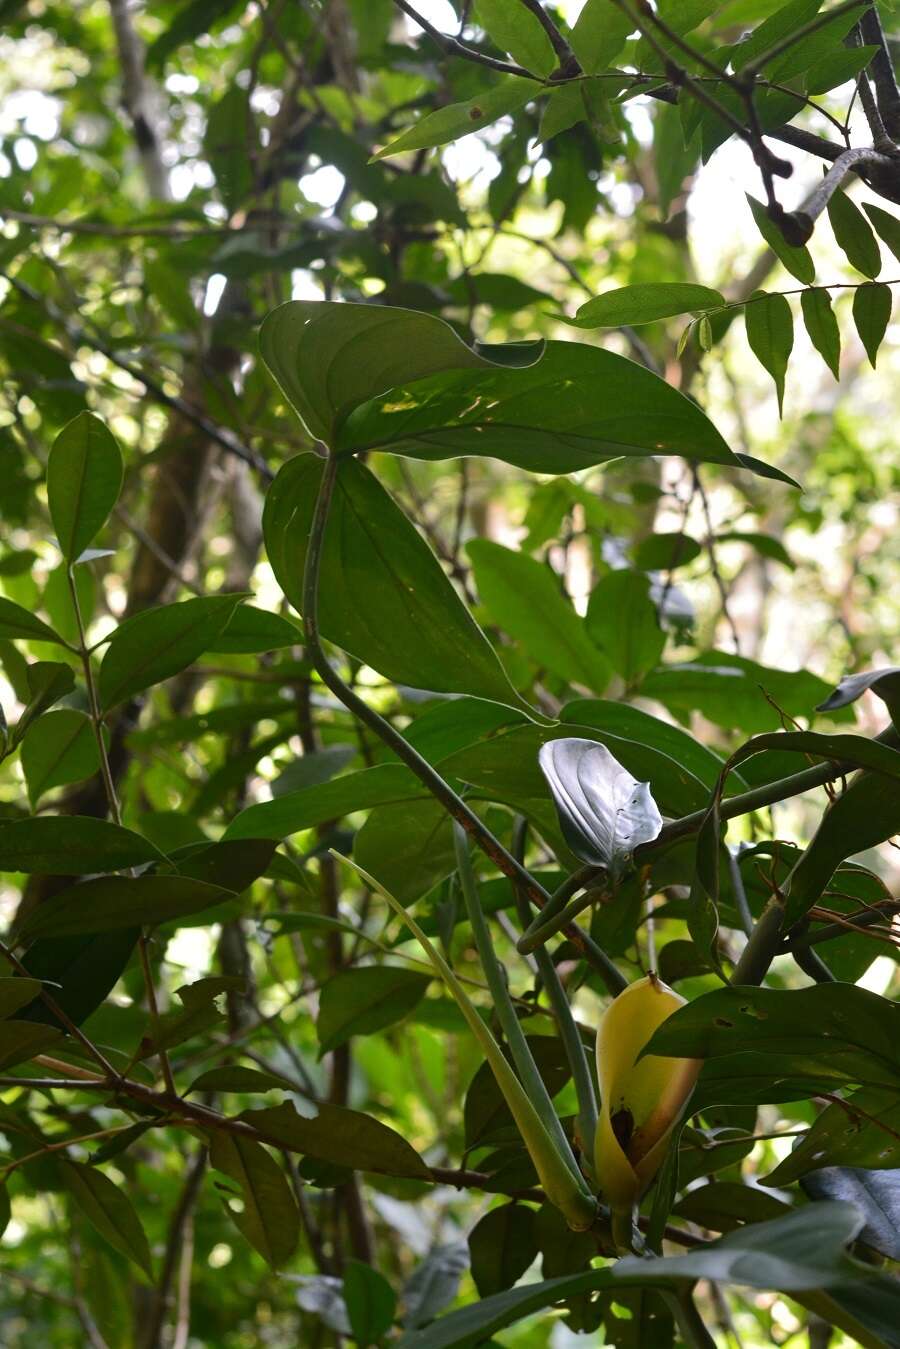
(506, 1013)
(572, 1043)
(574, 1200)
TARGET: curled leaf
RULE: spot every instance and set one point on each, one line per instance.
(605, 813)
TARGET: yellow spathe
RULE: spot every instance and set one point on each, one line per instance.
(640, 1102)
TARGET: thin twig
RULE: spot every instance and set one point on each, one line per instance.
(452, 46)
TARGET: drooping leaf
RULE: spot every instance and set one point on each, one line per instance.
(362, 1001)
(770, 332)
(370, 1302)
(108, 1208)
(268, 1217)
(158, 643)
(60, 748)
(71, 845)
(872, 314)
(822, 327)
(472, 1325)
(229, 126)
(665, 551)
(434, 1283)
(47, 681)
(887, 226)
(624, 622)
(502, 1245)
(383, 596)
(643, 303)
(17, 623)
(336, 1134)
(885, 683)
(112, 903)
(795, 258)
(854, 235)
(80, 972)
(518, 32)
(15, 994)
(525, 599)
(84, 478)
(22, 1040)
(605, 813)
(459, 119)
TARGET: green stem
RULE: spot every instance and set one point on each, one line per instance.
(112, 799)
(762, 945)
(506, 1013)
(688, 1319)
(572, 1043)
(427, 775)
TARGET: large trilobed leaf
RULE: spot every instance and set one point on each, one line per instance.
(328, 358)
(604, 812)
(577, 406)
(383, 596)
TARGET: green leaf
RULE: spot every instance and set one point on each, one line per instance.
(599, 34)
(764, 544)
(471, 1326)
(115, 902)
(47, 681)
(517, 31)
(370, 1302)
(328, 358)
(21, 1041)
(526, 599)
(845, 1031)
(229, 128)
(17, 624)
(854, 236)
(238, 1079)
(109, 1209)
(158, 643)
(564, 108)
(314, 805)
(487, 1117)
(459, 119)
(859, 1131)
(269, 1218)
(71, 845)
(623, 622)
(822, 327)
(84, 478)
(632, 724)
(634, 305)
(363, 1001)
(408, 846)
(231, 863)
(501, 1247)
(796, 259)
(81, 971)
(872, 313)
(16, 993)
(251, 630)
(806, 1249)
(887, 226)
(770, 332)
(665, 551)
(731, 689)
(383, 595)
(335, 1134)
(576, 407)
(836, 69)
(58, 749)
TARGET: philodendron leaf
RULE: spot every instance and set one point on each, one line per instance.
(327, 358)
(856, 1131)
(363, 377)
(84, 477)
(383, 595)
(604, 812)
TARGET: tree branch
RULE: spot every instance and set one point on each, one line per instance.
(881, 68)
(452, 46)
